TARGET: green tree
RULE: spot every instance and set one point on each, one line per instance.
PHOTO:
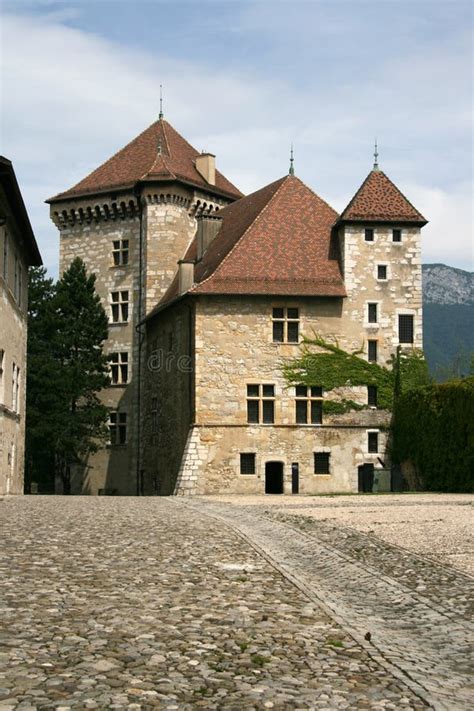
(82, 369)
(66, 370)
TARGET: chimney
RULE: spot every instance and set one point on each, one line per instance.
(206, 166)
(208, 226)
(186, 276)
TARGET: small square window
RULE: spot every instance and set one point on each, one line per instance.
(268, 390)
(372, 313)
(301, 391)
(321, 463)
(316, 391)
(396, 235)
(372, 351)
(372, 395)
(382, 271)
(252, 391)
(247, 463)
(278, 313)
(373, 442)
(369, 234)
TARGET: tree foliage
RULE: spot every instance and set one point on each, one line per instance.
(68, 326)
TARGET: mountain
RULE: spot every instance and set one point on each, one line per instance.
(448, 328)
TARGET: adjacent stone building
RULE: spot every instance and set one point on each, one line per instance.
(260, 275)
(209, 293)
(18, 251)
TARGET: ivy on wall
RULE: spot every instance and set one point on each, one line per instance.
(332, 367)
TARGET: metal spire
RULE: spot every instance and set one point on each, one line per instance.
(161, 115)
(292, 167)
(376, 157)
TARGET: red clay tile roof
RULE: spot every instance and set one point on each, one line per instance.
(141, 160)
(379, 200)
(276, 241)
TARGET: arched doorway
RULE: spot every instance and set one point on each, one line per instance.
(274, 478)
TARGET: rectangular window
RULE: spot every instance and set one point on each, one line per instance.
(119, 368)
(396, 235)
(382, 272)
(372, 351)
(119, 306)
(120, 252)
(260, 404)
(321, 463)
(247, 463)
(369, 234)
(372, 395)
(309, 405)
(405, 328)
(372, 313)
(286, 325)
(373, 442)
(118, 428)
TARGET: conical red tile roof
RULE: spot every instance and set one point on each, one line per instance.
(379, 200)
(159, 153)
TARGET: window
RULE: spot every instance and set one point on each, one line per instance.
(118, 427)
(15, 388)
(382, 272)
(372, 395)
(372, 313)
(373, 442)
(321, 463)
(154, 415)
(372, 351)
(396, 235)
(261, 404)
(405, 328)
(119, 306)
(286, 325)
(247, 463)
(119, 368)
(309, 405)
(369, 234)
(120, 252)
(5, 255)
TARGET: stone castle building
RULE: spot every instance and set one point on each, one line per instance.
(18, 251)
(209, 293)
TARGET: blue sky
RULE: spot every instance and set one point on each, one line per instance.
(244, 80)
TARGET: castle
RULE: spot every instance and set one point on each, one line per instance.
(208, 292)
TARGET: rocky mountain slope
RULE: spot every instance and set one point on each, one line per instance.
(448, 307)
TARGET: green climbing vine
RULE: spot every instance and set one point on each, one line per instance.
(332, 367)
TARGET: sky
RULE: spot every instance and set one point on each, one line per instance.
(245, 79)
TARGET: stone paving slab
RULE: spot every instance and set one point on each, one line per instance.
(126, 603)
(408, 605)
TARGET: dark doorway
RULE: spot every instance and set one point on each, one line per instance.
(274, 478)
(366, 478)
(295, 478)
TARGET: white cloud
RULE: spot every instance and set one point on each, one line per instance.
(72, 98)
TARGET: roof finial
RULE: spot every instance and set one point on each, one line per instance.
(376, 156)
(292, 167)
(160, 115)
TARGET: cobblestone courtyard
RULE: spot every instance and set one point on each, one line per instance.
(127, 603)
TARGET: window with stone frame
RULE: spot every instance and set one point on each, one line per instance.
(372, 395)
(309, 405)
(260, 404)
(372, 350)
(119, 306)
(382, 274)
(372, 313)
(396, 235)
(286, 324)
(372, 442)
(405, 328)
(117, 428)
(120, 252)
(369, 234)
(119, 368)
(247, 463)
(322, 462)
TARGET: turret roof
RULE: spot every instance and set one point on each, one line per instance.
(159, 153)
(379, 200)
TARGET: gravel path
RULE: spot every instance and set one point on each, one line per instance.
(125, 603)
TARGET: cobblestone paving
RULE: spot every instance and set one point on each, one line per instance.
(116, 603)
(415, 610)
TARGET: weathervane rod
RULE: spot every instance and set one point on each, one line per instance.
(160, 115)
(376, 156)
(292, 167)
